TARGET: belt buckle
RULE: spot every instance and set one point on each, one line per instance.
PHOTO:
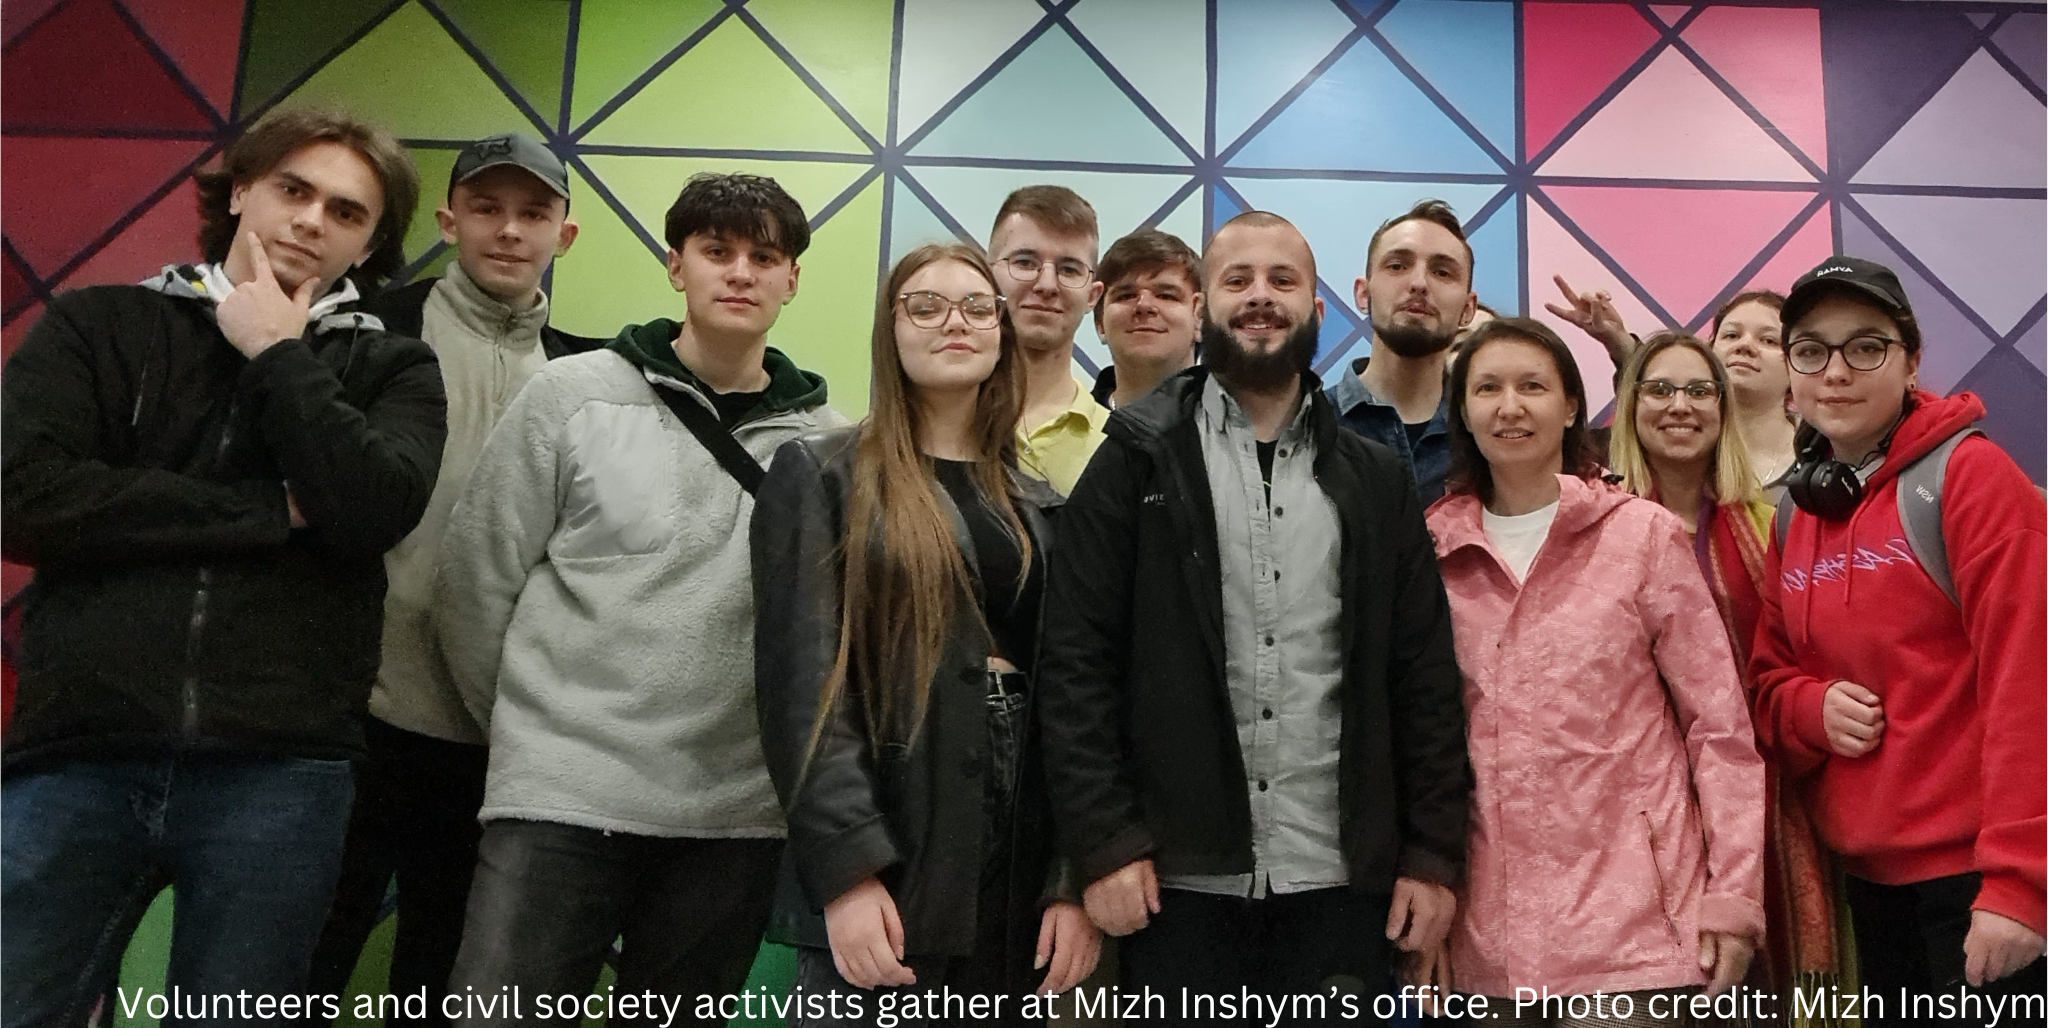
(1005, 683)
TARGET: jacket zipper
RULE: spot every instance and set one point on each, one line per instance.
(201, 597)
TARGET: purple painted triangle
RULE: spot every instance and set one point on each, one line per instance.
(1953, 343)
(1882, 64)
(2033, 344)
(1980, 20)
(2022, 39)
(2015, 396)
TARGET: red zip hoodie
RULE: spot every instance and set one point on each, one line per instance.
(1956, 783)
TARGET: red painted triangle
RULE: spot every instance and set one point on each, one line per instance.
(192, 32)
(14, 290)
(168, 234)
(1812, 244)
(11, 335)
(16, 15)
(1571, 53)
(1669, 13)
(1771, 55)
(83, 69)
(1683, 245)
(64, 193)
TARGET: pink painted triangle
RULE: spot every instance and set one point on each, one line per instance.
(1771, 55)
(1553, 251)
(190, 32)
(1812, 244)
(1672, 123)
(1669, 13)
(1571, 53)
(1683, 245)
(167, 234)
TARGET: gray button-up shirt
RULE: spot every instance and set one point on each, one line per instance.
(1281, 644)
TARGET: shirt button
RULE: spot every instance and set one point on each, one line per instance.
(1262, 785)
(1269, 640)
(1267, 713)
(1278, 511)
(1276, 574)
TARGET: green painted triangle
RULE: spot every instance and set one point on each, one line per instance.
(826, 328)
(730, 92)
(524, 40)
(844, 44)
(648, 185)
(434, 166)
(608, 279)
(617, 40)
(444, 95)
(286, 37)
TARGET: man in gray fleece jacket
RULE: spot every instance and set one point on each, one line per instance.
(595, 606)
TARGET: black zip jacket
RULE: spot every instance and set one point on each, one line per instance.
(1141, 749)
(913, 814)
(143, 471)
(403, 311)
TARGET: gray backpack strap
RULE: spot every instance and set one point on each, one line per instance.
(1920, 487)
(1781, 522)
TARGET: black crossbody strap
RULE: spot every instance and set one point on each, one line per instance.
(714, 436)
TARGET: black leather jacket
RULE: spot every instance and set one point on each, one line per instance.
(912, 814)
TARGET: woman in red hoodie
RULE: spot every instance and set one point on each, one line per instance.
(1915, 721)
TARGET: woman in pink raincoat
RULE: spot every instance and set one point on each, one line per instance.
(1617, 819)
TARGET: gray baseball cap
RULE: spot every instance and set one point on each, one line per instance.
(516, 150)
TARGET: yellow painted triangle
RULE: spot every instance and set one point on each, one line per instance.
(409, 76)
(729, 92)
(608, 279)
(648, 185)
(843, 44)
(826, 328)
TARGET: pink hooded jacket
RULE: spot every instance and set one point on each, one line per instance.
(1619, 800)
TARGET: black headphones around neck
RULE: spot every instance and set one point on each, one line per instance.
(1828, 488)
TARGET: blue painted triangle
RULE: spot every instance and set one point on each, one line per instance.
(1225, 209)
(1497, 260)
(912, 224)
(1365, 8)
(1337, 330)
(1053, 103)
(1339, 217)
(1466, 51)
(1363, 114)
(1265, 47)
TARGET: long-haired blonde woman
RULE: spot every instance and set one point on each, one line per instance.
(898, 565)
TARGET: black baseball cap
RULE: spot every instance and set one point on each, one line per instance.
(1867, 280)
(516, 150)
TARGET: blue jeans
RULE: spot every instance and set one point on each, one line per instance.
(250, 845)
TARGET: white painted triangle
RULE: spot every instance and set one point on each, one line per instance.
(1158, 48)
(949, 43)
(1673, 123)
(1982, 129)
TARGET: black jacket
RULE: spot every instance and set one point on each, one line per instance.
(403, 310)
(1141, 745)
(912, 814)
(143, 470)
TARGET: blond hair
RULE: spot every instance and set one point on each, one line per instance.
(1732, 481)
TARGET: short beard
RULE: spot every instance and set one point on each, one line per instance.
(1229, 360)
(1412, 340)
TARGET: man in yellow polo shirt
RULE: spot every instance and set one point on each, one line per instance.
(1044, 247)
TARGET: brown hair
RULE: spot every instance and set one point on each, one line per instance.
(1054, 208)
(1732, 480)
(1436, 212)
(903, 569)
(1143, 251)
(1469, 471)
(279, 134)
(1768, 297)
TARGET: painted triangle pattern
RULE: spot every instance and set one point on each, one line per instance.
(1670, 153)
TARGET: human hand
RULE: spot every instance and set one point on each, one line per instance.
(1594, 314)
(1429, 971)
(1997, 946)
(1123, 901)
(867, 937)
(291, 506)
(1725, 958)
(259, 314)
(1853, 718)
(1420, 916)
(1068, 941)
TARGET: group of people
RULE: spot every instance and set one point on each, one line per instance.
(636, 648)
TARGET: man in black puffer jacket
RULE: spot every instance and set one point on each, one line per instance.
(205, 472)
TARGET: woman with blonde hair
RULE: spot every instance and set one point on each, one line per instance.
(1675, 442)
(898, 565)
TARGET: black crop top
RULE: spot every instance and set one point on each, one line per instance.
(1012, 615)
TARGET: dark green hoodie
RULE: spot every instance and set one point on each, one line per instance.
(652, 346)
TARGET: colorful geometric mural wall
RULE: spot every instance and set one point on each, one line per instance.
(1672, 153)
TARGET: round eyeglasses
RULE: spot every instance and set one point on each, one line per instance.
(1025, 267)
(1661, 393)
(927, 309)
(1863, 353)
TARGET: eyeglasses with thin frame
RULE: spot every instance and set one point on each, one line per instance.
(1659, 392)
(1025, 267)
(1863, 353)
(927, 309)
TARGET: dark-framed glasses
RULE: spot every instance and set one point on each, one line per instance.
(1662, 392)
(1863, 353)
(1025, 267)
(927, 309)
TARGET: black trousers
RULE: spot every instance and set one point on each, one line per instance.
(548, 900)
(414, 818)
(1911, 937)
(1303, 943)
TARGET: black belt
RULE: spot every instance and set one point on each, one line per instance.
(1006, 683)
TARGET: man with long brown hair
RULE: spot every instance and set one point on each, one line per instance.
(596, 610)
(1043, 246)
(205, 472)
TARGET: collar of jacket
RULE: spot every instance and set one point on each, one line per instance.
(1457, 519)
(208, 283)
(651, 347)
(485, 315)
(1147, 423)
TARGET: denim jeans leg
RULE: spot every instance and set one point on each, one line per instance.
(254, 845)
(77, 870)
